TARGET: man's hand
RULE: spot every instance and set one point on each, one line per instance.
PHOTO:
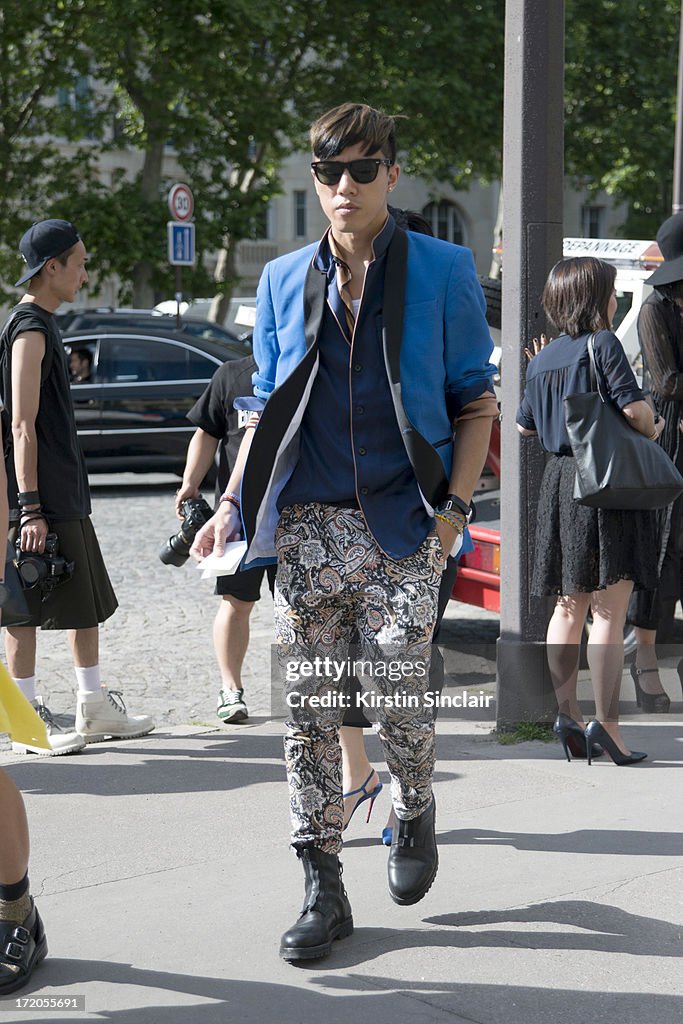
(225, 525)
(184, 492)
(33, 535)
(448, 535)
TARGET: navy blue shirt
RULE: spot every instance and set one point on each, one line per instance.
(563, 368)
(351, 447)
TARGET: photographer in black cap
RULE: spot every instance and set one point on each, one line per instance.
(48, 491)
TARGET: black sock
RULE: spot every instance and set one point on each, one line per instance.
(12, 892)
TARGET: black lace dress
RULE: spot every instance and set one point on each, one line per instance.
(580, 549)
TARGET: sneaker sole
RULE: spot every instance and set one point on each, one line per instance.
(24, 748)
(102, 737)
(342, 931)
(237, 716)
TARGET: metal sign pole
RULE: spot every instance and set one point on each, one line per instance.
(178, 296)
(677, 203)
(533, 161)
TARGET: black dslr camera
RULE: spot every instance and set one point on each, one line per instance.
(176, 550)
(44, 570)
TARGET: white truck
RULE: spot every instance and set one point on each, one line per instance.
(635, 260)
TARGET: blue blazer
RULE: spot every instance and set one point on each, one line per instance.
(441, 353)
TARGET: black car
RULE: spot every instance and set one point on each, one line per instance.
(109, 319)
(133, 391)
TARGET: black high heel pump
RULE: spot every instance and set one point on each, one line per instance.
(651, 703)
(572, 738)
(595, 731)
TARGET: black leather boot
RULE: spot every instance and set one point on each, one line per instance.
(414, 858)
(326, 913)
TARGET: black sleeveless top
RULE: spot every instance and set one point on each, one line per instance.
(62, 476)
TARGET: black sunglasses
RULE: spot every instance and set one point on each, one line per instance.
(329, 172)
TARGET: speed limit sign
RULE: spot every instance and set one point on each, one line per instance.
(181, 201)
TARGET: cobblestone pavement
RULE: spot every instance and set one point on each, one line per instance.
(157, 646)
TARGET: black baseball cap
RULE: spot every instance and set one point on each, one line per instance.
(44, 241)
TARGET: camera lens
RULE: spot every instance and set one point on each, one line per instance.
(31, 571)
(176, 550)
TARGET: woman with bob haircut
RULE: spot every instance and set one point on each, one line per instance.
(589, 558)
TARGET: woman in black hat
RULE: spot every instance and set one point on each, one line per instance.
(660, 332)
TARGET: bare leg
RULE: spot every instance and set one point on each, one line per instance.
(20, 648)
(14, 842)
(563, 644)
(231, 639)
(355, 766)
(606, 654)
(84, 645)
(646, 659)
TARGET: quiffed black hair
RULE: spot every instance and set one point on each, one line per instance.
(350, 124)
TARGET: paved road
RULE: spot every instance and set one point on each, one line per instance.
(157, 647)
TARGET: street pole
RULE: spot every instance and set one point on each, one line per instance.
(533, 177)
(178, 297)
(677, 204)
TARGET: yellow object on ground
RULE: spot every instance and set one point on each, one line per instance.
(17, 717)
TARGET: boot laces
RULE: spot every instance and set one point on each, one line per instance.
(116, 698)
(46, 715)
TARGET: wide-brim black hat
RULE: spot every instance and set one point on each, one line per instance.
(670, 241)
(44, 241)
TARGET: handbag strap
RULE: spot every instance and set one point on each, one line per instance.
(594, 370)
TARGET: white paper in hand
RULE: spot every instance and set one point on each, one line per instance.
(225, 564)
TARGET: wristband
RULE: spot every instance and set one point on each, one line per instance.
(455, 504)
(232, 499)
(28, 498)
(457, 522)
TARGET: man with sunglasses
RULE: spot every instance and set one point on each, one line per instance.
(372, 348)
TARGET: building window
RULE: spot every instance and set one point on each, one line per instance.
(262, 223)
(300, 214)
(78, 97)
(445, 220)
(592, 221)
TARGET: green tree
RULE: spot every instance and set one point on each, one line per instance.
(42, 70)
(232, 84)
(621, 68)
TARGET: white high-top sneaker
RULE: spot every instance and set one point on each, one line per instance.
(103, 716)
(61, 740)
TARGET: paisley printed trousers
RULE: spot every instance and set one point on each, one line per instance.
(335, 588)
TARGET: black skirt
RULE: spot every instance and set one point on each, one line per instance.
(581, 549)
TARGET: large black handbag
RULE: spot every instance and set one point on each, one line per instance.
(616, 466)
